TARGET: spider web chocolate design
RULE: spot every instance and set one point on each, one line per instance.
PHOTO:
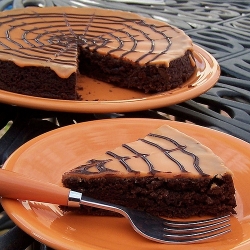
(54, 37)
(99, 165)
(48, 47)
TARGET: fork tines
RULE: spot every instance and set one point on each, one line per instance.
(196, 231)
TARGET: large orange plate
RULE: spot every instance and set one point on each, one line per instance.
(100, 97)
(46, 157)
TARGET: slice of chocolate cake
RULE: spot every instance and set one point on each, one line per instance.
(167, 173)
(43, 49)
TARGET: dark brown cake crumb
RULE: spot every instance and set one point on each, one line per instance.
(158, 196)
(36, 81)
(125, 74)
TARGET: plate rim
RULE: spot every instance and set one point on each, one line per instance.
(7, 203)
(158, 100)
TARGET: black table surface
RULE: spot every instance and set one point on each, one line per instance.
(220, 27)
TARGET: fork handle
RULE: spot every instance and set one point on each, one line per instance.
(17, 186)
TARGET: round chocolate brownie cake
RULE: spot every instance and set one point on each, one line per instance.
(43, 49)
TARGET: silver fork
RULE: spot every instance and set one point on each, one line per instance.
(17, 186)
(159, 229)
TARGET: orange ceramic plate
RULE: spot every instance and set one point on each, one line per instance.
(46, 157)
(100, 97)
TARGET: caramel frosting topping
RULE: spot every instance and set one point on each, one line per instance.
(50, 37)
(165, 152)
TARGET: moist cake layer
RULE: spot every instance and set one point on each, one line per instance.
(165, 173)
(56, 38)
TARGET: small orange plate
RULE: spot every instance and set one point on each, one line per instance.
(100, 97)
(48, 156)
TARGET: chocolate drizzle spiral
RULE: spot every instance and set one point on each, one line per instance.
(167, 151)
(90, 31)
(122, 160)
(99, 165)
(51, 37)
(142, 156)
(179, 147)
